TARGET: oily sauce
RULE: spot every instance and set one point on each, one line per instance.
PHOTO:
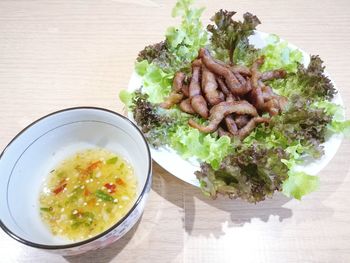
(87, 193)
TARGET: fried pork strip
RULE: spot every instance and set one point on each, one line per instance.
(175, 97)
(210, 87)
(195, 88)
(247, 129)
(231, 125)
(220, 111)
(227, 90)
(274, 74)
(241, 120)
(255, 74)
(230, 79)
(178, 80)
(199, 105)
(186, 106)
(172, 99)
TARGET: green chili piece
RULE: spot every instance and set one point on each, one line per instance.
(112, 160)
(60, 174)
(104, 196)
(76, 225)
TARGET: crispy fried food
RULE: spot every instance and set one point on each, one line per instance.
(195, 88)
(178, 80)
(200, 106)
(240, 78)
(175, 97)
(241, 120)
(231, 81)
(282, 101)
(219, 69)
(212, 65)
(243, 70)
(223, 87)
(267, 92)
(273, 74)
(185, 90)
(185, 106)
(242, 89)
(231, 125)
(265, 100)
(210, 87)
(255, 71)
(220, 111)
(256, 98)
(246, 130)
(229, 96)
(172, 99)
(222, 132)
(276, 105)
(197, 63)
(272, 106)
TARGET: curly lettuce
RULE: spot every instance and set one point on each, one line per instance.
(182, 42)
(279, 55)
(229, 36)
(250, 173)
(308, 82)
(156, 83)
(185, 40)
(190, 142)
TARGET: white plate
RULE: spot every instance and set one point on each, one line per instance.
(184, 169)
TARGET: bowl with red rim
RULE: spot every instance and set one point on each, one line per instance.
(28, 158)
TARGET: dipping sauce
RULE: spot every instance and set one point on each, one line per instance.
(87, 193)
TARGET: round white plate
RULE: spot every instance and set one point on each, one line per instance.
(184, 169)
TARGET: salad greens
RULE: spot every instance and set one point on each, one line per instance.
(229, 35)
(279, 55)
(265, 161)
(170, 128)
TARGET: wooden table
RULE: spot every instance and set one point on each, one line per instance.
(58, 54)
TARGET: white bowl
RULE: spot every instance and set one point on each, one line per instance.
(29, 157)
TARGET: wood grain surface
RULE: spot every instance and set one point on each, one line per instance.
(57, 54)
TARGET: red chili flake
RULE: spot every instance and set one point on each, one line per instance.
(110, 187)
(120, 181)
(93, 166)
(86, 172)
(86, 192)
(62, 184)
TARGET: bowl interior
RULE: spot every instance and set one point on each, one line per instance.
(30, 157)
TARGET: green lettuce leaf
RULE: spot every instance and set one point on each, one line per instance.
(277, 53)
(279, 56)
(332, 109)
(156, 83)
(181, 43)
(299, 184)
(190, 142)
(340, 127)
(126, 98)
(185, 40)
